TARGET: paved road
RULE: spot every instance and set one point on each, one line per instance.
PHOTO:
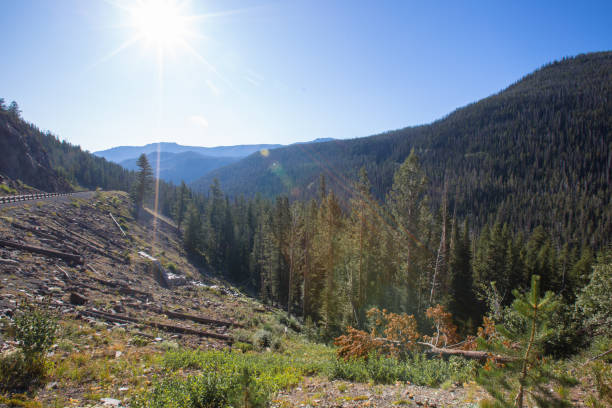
(60, 199)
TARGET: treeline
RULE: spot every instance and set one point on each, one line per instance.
(41, 160)
(535, 154)
(330, 263)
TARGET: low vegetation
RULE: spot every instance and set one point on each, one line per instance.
(27, 367)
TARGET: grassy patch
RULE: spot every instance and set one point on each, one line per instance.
(7, 190)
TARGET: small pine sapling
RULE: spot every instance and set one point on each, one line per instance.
(527, 379)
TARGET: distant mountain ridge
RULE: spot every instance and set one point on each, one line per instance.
(185, 166)
(121, 153)
(537, 153)
(186, 163)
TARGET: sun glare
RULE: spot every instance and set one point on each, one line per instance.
(159, 22)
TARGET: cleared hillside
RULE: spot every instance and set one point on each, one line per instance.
(536, 153)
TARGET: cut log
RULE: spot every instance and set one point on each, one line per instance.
(72, 258)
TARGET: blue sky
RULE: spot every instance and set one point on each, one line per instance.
(277, 71)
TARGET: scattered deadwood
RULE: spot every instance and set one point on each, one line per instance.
(165, 327)
(122, 288)
(117, 224)
(96, 249)
(199, 319)
(72, 258)
(176, 315)
(33, 230)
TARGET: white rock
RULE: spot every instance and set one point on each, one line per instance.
(111, 402)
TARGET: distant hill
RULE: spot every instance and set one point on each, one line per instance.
(186, 166)
(186, 163)
(121, 153)
(538, 152)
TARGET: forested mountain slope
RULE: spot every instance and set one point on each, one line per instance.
(43, 161)
(536, 153)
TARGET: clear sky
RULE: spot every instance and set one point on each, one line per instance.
(257, 71)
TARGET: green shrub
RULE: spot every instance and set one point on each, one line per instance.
(19, 373)
(209, 390)
(24, 369)
(273, 371)
(262, 339)
(244, 347)
(418, 369)
(139, 341)
(350, 370)
(35, 330)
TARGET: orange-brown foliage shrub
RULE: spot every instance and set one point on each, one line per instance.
(391, 333)
(446, 331)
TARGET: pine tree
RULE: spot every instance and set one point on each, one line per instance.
(180, 205)
(193, 231)
(526, 378)
(144, 182)
(407, 201)
(462, 289)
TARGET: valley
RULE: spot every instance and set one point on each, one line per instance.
(122, 326)
(463, 262)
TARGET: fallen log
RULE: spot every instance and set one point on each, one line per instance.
(73, 237)
(117, 224)
(122, 288)
(176, 315)
(165, 327)
(72, 258)
(470, 354)
(199, 319)
(438, 351)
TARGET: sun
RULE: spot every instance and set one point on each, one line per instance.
(160, 22)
